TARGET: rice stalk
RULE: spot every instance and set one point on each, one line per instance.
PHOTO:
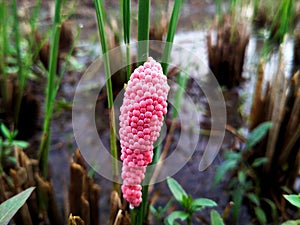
(113, 145)
(50, 92)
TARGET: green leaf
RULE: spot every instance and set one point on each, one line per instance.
(176, 215)
(176, 189)
(12, 159)
(187, 201)
(253, 198)
(237, 197)
(273, 208)
(261, 216)
(167, 206)
(293, 199)
(200, 203)
(154, 211)
(75, 64)
(10, 207)
(5, 131)
(7, 149)
(21, 144)
(257, 134)
(242, 177)
(223, 168)
(215, 218)
(160, 211)
(232, 155)
(291, 222)
(13, 134)
(259, 161)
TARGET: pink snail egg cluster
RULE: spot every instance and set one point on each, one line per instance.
(141, 119)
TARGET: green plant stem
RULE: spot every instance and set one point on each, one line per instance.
(126, 27)
(138, 215)
(133, 213)
(113, 144)
(143, 30)
(189, 220)
(128, 62)
(50, 92)
(170, 35)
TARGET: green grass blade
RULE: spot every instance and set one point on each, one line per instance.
(126, 28)
(281, 24)
(257, 134)
(126, 20)
(104, 46)
(283, 18)
(50, 91)
(11, 206)
(171, 34)
(113, 144)
(143, 29)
